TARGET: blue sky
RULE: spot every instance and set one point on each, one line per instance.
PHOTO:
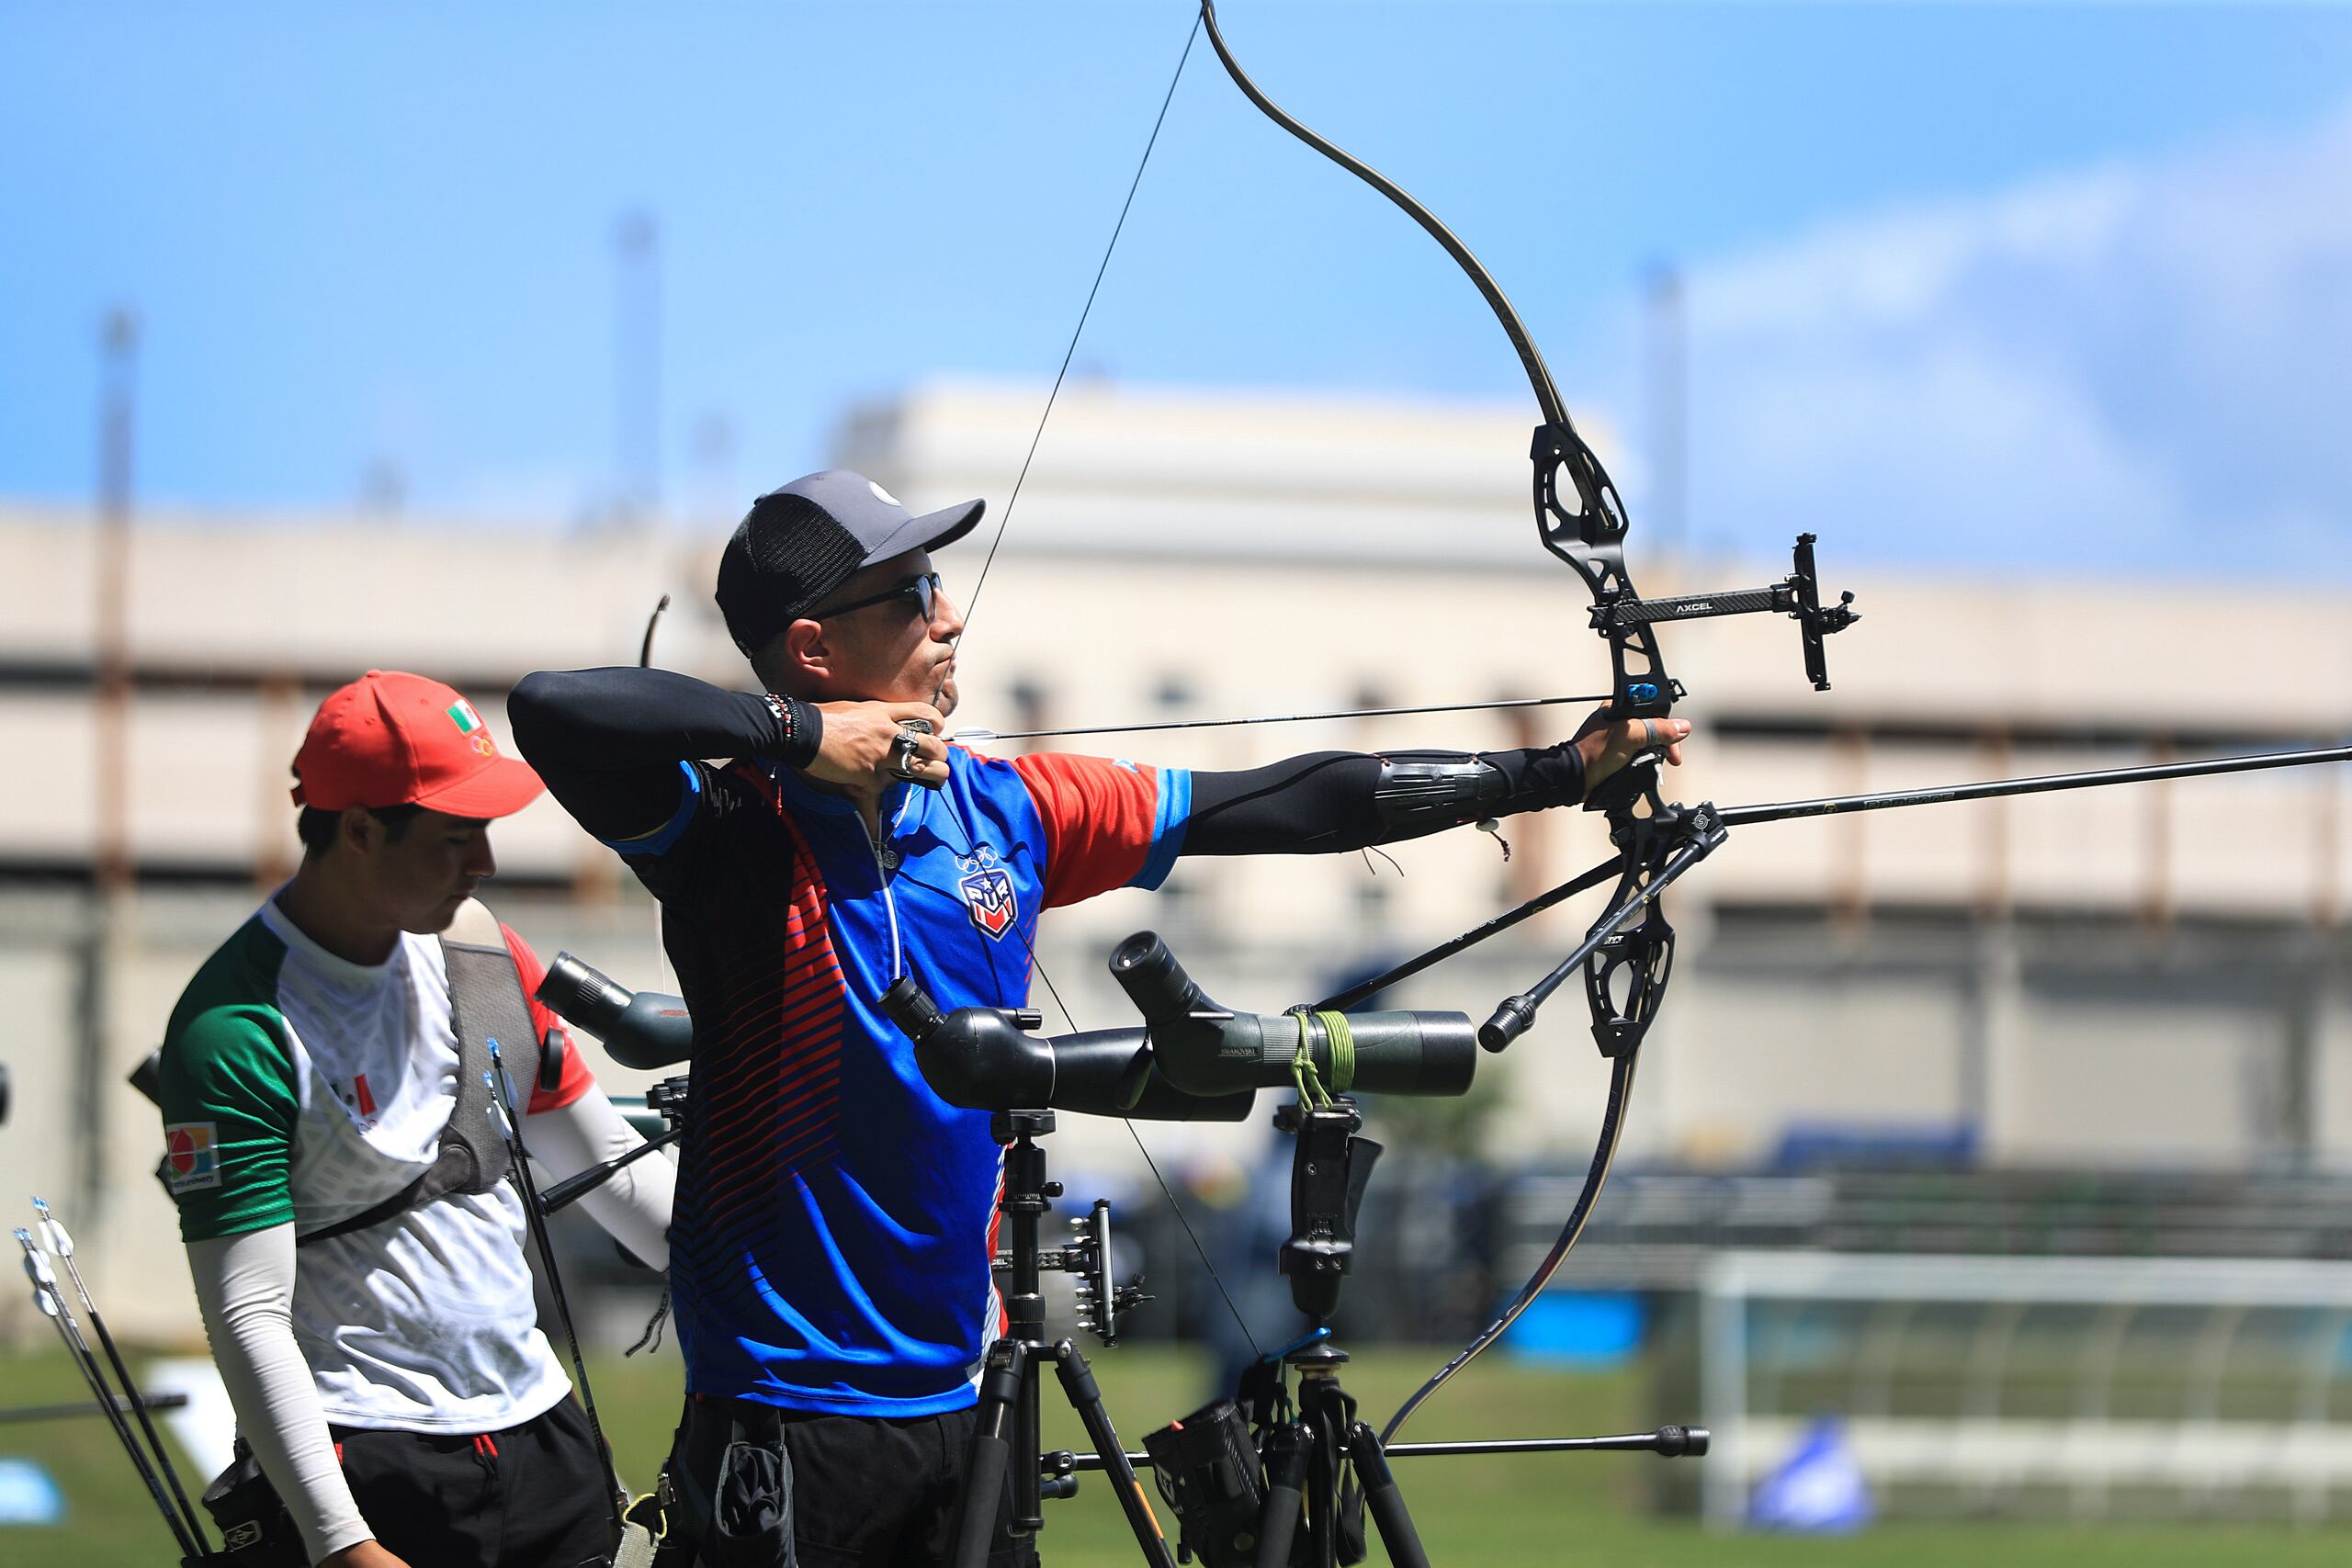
(2064, 287)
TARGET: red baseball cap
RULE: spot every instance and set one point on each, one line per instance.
(394, 739)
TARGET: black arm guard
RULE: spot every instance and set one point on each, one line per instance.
(1418, 797)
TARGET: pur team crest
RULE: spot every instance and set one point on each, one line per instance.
(987, 887)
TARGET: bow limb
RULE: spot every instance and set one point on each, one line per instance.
(1604, 1154)
(1539, 376)
(1578, 514)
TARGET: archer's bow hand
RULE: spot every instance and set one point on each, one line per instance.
(1608, 744)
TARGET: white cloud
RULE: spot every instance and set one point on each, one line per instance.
(2141, 367)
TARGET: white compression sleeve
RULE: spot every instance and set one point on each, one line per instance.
(633, 1206)
(244, 1288)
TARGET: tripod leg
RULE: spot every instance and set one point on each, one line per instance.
(1085, 1398)
(991, 1449)
(1286, 1451)
(1387, 1504)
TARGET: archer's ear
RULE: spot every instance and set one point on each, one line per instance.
(360, 830)
(803, 651)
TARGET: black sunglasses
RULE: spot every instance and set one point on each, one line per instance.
(923, 591)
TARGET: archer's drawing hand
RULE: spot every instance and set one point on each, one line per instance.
(1609, 744)
(855, 752)
(362, 1555)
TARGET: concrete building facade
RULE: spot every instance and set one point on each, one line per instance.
(2144, 977)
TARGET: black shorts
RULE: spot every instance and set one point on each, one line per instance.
(845, 1491)
(532, 1496)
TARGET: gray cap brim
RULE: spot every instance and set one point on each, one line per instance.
(928, 532)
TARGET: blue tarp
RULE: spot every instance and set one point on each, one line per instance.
(27, 1497)
(1582, 1328)
(1819, 1489)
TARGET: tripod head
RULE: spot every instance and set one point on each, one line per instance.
(1329, 1168)
(668, 1100)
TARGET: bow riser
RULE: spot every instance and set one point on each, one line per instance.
(1580, 520)
(1626, 977)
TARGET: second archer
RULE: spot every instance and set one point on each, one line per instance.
(830, 1258)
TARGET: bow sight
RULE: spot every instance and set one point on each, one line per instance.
(1797, 596)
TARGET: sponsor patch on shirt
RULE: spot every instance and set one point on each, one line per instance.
(191, 1157)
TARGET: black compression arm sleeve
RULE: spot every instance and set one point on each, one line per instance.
(608, 742)
(1324, 803)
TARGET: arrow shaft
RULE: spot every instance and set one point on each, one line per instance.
(1277, 718)
(137, 1406)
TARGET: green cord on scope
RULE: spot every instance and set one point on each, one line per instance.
(1303, 1071)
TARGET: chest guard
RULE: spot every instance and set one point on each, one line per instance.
(486, 1003)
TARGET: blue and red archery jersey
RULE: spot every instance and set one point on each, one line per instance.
(835, 1219)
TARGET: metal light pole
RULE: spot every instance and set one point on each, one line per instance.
(111, 865)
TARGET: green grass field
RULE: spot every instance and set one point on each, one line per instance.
(1591, 1510)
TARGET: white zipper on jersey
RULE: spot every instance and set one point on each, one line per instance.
(891, 906)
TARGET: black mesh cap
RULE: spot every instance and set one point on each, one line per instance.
(800, 542)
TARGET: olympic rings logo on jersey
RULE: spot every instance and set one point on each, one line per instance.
(987, 890)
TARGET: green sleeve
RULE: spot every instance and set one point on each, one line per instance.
(229, 1115)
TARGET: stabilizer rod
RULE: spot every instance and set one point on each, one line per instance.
(2044, 783)
(1666, 1442)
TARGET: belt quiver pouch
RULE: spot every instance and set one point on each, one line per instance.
(256, 1530)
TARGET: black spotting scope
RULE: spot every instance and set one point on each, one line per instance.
(988, 1059)
(1206, 1049)
(645, 1030)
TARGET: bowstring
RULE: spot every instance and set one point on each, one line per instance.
(972, 604)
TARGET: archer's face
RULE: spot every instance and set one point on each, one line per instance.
(890, 651)
(417, 881)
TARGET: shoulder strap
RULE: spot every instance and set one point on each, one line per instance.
(486, 1003)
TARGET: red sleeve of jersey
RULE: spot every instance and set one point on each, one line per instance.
(1099, 816)
(577, 1079)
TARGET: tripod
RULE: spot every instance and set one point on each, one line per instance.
(1244, 1476)
(1307, 1457)
(1006, 1432)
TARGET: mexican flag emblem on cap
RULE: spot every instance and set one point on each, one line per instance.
(461, 713)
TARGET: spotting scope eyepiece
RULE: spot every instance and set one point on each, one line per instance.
(1206, 1049)
(645, 1030)
(990, 1059)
